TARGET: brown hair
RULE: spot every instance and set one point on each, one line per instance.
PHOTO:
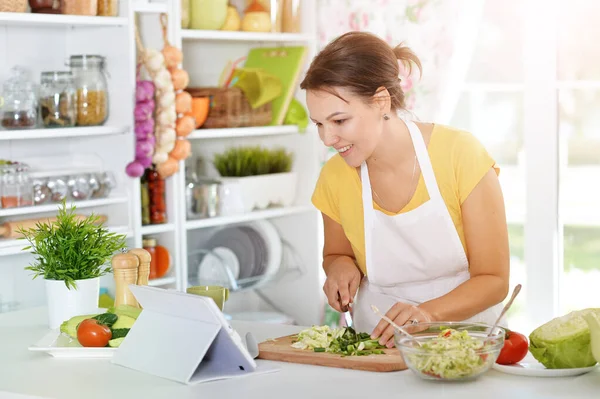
(361, 62)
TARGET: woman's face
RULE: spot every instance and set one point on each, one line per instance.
(352, 127)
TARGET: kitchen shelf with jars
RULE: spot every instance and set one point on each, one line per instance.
(67, 84)
(250, 112)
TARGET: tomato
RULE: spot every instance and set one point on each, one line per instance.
(515, 348)
(90, 333)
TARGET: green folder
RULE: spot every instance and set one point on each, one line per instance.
(286, 64)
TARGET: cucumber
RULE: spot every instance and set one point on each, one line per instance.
(115, 343)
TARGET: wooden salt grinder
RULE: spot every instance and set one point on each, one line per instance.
(144, 264)
(125, 271)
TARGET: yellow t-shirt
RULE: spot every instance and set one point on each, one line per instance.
(459, 162)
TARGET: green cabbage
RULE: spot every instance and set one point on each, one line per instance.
(563, 342)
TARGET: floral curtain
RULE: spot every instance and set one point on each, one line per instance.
(426, 26)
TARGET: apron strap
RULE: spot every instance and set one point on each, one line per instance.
(424, 161)
(368, 213)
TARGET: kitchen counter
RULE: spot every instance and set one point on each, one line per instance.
(39, 374)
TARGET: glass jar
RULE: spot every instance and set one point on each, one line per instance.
(108, 8)
(58, 106)
(156, 197)
(19, 101)
(92, 89)
(16, 187)
(160, 258)
(80, 7)
(276, 17)
(185, 14)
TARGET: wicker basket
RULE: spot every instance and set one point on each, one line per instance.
(13, 6)
(230, 108)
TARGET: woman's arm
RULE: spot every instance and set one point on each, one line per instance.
(486, 235)
(339, 264)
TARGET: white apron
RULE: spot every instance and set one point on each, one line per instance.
(411, 257)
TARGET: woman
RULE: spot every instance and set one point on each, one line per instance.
(413, 212)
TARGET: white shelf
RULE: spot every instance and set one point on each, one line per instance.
(157, 228)
(52, 133)
(247, 217)
(150, 7)
(15, 246)
(162, 281)
(26, 210)
(197, 34)
(50, 20)
(242, 132)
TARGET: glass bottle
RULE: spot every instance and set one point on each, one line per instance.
(18, 101)
(58, 107)
(92, 89)
(156, 192)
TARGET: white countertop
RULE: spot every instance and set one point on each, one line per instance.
(39, 374)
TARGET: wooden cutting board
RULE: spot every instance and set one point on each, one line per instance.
(280, 350)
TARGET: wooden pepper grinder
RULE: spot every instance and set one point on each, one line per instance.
(125, 271)
(144, 264)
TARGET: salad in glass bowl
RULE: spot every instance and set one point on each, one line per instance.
(450, 351)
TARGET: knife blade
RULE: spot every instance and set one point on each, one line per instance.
(345, 312)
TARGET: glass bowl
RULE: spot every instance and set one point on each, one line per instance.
(450, 359)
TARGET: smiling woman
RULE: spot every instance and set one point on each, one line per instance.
(413, 212)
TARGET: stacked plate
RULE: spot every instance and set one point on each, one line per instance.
(241, 256)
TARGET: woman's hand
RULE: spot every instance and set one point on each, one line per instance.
(401, 314)
(343, 279)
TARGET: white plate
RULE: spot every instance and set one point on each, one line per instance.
(274, 248)
(530, 367)
(61, 345)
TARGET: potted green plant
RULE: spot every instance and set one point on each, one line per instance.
(71, 254)
(265, 175)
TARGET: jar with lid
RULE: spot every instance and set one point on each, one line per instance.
(108, 8)
(18, 102)
(58, 106)
(156, 194)
(16, 187)
(160, 258)
(92, 89)
(80, 7)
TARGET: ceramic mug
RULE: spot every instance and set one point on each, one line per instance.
(218, 294)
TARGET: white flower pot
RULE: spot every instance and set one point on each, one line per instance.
(264, 191)
(64, 303)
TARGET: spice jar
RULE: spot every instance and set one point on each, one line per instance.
(160, 261)
(58, 107)
(108, 8)
(156, 194)
(16, 187)
(80, 7)
(92, 89)
(18, 101)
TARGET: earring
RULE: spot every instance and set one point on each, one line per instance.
(386, 117)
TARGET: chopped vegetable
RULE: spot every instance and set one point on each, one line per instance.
(343, 341)
(69, 327)
(119, 332)
(107, 319)
(451, 355)
(115, 343)
(564, 342)
(125, 310)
